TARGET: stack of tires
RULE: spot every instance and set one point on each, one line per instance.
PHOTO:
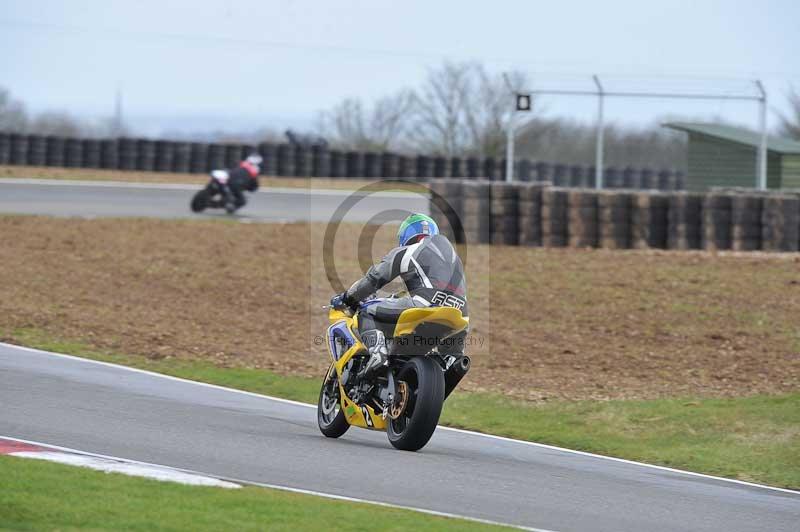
(128, 154)
(780, 223)
(491, 171)
(338, 164)
(560, 178)
(477, 212)
(717, 221)
(269, 153)
(372, 165)
(457, 167)
(685, 221)
(355, 165)
(303, 161)
(424, 168)
(37, 150)
(582, 218)
(92, 153)
(109, 154)
(631, 178)
(165, 154)
(530, 214)
(182, 157)
(473, 169)
(73, 152)
(146, 155)
(614, 219)
(389, 166)
(746, 222)
(505, 213)
(5, 148)
(56, 151)
(320, 161)
(199, 158)
(554, 217)
(285, 160)
(19, 149)
(445, 208)
(544, 172)
(612, 178)
(441, 167)
(649, 220)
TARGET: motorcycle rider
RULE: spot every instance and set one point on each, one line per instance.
(433, 275)
(236, 180)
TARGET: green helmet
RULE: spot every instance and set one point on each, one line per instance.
(415, 225)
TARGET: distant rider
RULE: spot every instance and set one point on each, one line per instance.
(433, 275)
(236, 180)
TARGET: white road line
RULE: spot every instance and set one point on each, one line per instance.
(236, 482)
(440, 427)
(180, 186)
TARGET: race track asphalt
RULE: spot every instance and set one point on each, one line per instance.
(91, 199)
(116, 411)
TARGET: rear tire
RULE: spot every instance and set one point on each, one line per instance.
(415, 426)
(200, 201)
(330, 416)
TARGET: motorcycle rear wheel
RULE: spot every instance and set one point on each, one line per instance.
(200, 200)
(330, 416)
(414, 427)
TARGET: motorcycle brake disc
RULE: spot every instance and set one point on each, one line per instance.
(399, 406)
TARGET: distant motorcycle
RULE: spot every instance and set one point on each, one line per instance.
(225, 189)
(215, 195)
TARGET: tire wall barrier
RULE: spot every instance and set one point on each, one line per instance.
(144, 154)
(582, 218)
(685, 220)
(539, 214)
(504, 208)
(476, 211)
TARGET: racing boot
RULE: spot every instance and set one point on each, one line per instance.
(378, 350)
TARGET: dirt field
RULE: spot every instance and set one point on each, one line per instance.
(567, 324)
(83, 174)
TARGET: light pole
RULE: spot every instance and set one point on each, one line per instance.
(598, 154)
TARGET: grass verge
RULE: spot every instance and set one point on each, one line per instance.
(754, 438)
(45, 496)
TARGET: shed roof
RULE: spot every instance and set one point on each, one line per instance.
(737, 134)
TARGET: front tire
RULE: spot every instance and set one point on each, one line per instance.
(200, 200)
(330, 416)
(415, 426)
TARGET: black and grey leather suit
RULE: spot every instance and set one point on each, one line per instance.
(433, 274)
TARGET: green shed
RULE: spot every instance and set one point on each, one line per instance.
(725, 156)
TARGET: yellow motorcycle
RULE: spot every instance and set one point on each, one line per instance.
(403, 397)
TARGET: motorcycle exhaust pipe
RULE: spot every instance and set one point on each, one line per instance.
(455, 373)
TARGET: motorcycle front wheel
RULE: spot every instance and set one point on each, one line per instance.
(200, 201)
(330, 416)
(415, 425)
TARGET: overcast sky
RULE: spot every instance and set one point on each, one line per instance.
(276, 63)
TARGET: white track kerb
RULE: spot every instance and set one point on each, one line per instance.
(462, 431)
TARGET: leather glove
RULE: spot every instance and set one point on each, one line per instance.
(338, 302)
